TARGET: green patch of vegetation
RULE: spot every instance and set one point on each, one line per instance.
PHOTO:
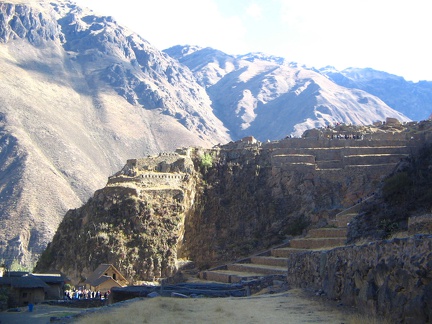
(68, 287)
(16, 266)
(206, 161)
(389, 227)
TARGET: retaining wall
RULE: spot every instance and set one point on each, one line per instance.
(376, 141)
(151, 179)
(388, 278)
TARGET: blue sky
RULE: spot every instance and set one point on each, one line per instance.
(387, 35)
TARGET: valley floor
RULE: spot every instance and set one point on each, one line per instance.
(292, 306)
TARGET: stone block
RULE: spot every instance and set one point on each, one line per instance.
(420, 224)
(392, 121)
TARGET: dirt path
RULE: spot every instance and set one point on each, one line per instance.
(293, 306)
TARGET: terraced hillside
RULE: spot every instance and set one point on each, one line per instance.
(373, 217)
(213, 206)
(275, 261)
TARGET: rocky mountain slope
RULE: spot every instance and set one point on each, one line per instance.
(268, 97)
(412, 99)
(217, 205)
(79, 95)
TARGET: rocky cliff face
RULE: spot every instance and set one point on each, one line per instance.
(135, 222)
(80, 95)
(219, 204)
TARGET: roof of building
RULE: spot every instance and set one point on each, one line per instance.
(103, 279)
(23, 282)
(100, 272)
(50, 278)
(15, 273)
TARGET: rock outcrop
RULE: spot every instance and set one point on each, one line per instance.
(136, 222)
(216, 205)
(80, 95)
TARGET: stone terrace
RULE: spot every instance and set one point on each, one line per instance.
(324, 154)
(275, 261)
(329, 157)
(165, 170)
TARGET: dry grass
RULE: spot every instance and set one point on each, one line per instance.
(288, 307)
(367, 319)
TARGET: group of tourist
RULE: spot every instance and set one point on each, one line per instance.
(84, 294)
(345, 136)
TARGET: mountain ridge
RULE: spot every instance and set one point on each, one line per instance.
(413, 99)
(257, 89)
(71, 117)
(81, 94)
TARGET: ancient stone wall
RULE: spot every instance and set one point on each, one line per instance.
(290, 183)
(388, 278)
(320, 143)
(150, 180)
(330, 154)
(242, 198)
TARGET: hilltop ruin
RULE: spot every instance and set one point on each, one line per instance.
(216, 205)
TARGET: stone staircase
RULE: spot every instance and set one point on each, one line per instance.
(338, 154)
(326, 159)
(273, 262)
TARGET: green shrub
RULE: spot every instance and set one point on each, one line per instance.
(17, 266)
(206, 161)
(389, 227)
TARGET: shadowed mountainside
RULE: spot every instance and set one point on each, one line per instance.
(79, 95)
